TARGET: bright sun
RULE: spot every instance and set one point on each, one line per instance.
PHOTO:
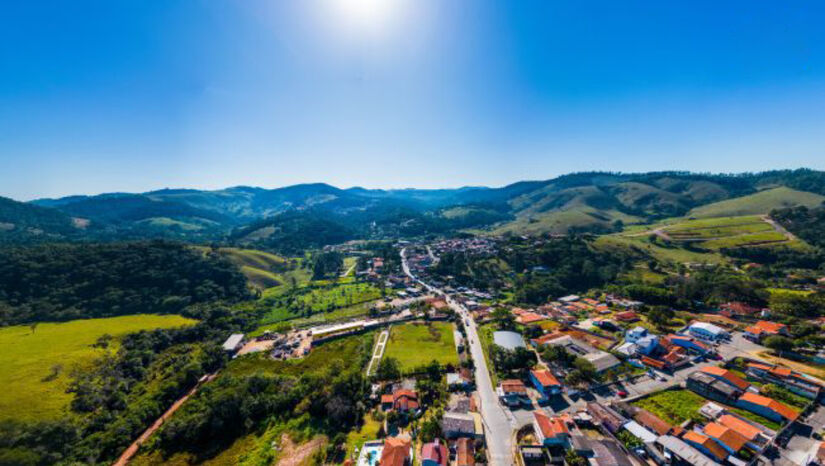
(366, 15)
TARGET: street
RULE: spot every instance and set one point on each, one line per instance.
(498, 430)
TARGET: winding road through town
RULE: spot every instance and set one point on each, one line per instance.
(498, 431)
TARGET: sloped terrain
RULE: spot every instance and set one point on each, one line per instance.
(759, 203)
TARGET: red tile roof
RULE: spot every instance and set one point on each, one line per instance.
(650, 420)
(396, 451)
(746, 430)
(705, 441)
(734, 440)
(775, 406)
(465, 452)
(545, 377)
(513, 386)
(727, 375)
(626, 316)
(529, 318)
(435, 452)
(550, 427)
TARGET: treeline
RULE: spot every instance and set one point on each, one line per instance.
(120, 396)
(808, 224)
(71, 281)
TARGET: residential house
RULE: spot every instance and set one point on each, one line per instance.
(706, 445)
(530, 318)
(689, 343)
(458, 425)
(764, 329)
(626, 316)
(600, 359)
(642, 340)
(680, 449)
(790, 379)
(545, 382)
(708, 332)
(652, 422)
(726, 376)
(401, 400)
(608, 453)
(606, 416)
(726, 437)
(735, 310)
(513, 393)
(713, 388)
(767, 407)
(434, 454)
(551, 431)
(396, 452)
(755, 437)
(465, 452)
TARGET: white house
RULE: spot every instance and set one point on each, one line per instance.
(707, 331)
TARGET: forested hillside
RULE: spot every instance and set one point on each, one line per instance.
(63, 282)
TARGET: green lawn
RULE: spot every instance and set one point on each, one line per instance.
(415, 345)
(369, 431)
(673, 406)
(28, 360)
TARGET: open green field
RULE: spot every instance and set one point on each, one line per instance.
(323, 299)
(756, 239)
(758, 203)
(35, 366)
(665, 253)
(677, 406)
(415, 345)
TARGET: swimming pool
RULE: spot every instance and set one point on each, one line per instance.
(370, 453)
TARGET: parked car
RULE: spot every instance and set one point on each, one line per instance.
(622, 393)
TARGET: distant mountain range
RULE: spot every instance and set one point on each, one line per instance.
(595, 201)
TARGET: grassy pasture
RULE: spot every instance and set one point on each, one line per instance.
(32, 387)
(415, 345)
(758, 203)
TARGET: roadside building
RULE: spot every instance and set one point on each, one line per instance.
(545, 382)
(513, 393)
(602, 360)
(708, 332)
(713, 388)
(767, 407)
(724, 375)
(551, 431)
(764, 328)
(640, 432)
(736, 310)
(458, 425)
(606, 417)
(689, 343)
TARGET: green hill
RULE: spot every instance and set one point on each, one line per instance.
(759, 203)
(261, 269)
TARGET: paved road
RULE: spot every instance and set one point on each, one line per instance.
(498, 430)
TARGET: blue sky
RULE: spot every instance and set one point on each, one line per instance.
(99, 96)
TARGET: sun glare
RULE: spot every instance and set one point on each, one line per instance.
(368, 16)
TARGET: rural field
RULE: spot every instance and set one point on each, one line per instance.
(35, 366)
(322, 299)
(415, 345)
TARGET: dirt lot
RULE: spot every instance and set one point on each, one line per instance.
(296, 455)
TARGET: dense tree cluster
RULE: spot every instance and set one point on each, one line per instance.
(327, 264)
(63, 282)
